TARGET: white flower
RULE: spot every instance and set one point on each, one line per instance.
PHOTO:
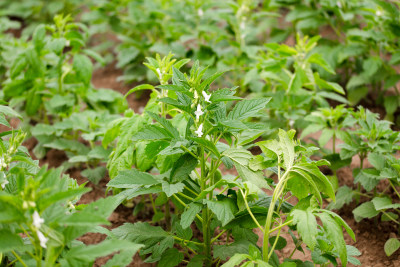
(37, 221)
(339, 4)
(198, 112)
(43, 240)
(206, 97)
(200, 12)
(199, 131)
(159, 73)
(2, 163)
(4, 183)
(196, 96)
(378, 13)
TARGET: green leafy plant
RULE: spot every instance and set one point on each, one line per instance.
(189, 152)
(374, 141)
(40, 217)
(293, 82)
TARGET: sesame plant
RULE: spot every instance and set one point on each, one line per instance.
(373, 141)
(50, 83)
(50, 78)
(294, 83)
(191, 149)
(40, 218)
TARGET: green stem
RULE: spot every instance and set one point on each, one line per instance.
(249, 211)
(152, 203)
(205, 215)
(274, 245)
(216, 238)
(19, 258)
(390, 217)
(280, 226)
(295, 248)
(184, 204)
(394, 188)
(275, 196)
(188, 241)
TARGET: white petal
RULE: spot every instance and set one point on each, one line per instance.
(43, 240)
(206, 97)
(37, 221)
(198, 112)
(199, 131)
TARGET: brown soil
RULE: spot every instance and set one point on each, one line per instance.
(107, 77)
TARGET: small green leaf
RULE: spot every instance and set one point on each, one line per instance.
(83, 67)
(391, 246)
(365, 210)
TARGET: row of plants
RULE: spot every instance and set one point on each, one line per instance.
(174, 159)
(358, 48)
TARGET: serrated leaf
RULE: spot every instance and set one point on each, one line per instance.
(223, 209)
(247, 108)
(132, 178)
(306, 226)
(189, 214)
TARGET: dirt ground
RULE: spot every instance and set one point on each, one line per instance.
(370, 235)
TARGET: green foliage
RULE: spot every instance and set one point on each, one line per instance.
(191, 146)
(40, 217)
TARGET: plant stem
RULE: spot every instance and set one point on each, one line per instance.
(205, 214)
(394, 188)
(295, 248)
(275, 196)
(334, 144)
(152, 203)
(167, 216)
(276, 241)
(19, 258)
(184, 204)
(280, 226)
(215, 238)
(188, 241)
(249, 211)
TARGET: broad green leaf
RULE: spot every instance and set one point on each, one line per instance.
(151, 132)
(223, 209)
(365, 210)
(83, 67)
(382, 203)
(225, 251)
(306, 226)
(10, 241)
(171, 257)
(207, 145)
(391, 246)
(173, 132)
(287, 146)
(91, 252)
(189, 214)
(9, 111)
(376, 160)
(247, 108)
(335, 235)
(235, 260)
(95, 175)
(170, 189)
(132, 178)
